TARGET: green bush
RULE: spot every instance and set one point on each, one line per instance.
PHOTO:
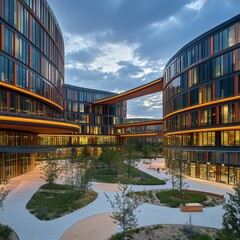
(202, 236)
(5, 232)
(117, 236)
(173, 199)
(224, 236)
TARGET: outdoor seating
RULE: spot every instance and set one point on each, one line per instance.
(191, 207)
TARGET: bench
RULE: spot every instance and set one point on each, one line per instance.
(191, 207)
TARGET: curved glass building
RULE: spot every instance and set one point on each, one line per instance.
(31, 82)
(201, 102)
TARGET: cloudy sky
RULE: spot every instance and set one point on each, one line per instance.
(117, 45)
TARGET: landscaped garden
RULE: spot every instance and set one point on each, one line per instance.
(55, 200)
(120, 174)
(6, 233)
(114, 165)
(230, 225)
(171, 232)
(173, 198)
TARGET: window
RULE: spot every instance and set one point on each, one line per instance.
(227, 87)
(217, 67)
(6, 70)
(227, 113)
(208, 116)
(228, 138)
(194, 97)
(35, 60)
(8, 41)
(23, 21)
(21, 50)
(238, 60)
(14, 102)
(231, 36)
(10, 12)
(3, 100)
(216, 43)
(207, 96)
(238, 31)
(22, 77)
(194, 119)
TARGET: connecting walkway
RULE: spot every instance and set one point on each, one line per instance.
(93, 221)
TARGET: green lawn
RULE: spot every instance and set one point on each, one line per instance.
(172, 197)
(137, 177)
(51, 202)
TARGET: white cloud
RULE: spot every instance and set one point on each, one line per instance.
(153, 102)
(74, 43)
(133, 116)
(166, 23)
(111, 54)
(118, 91)
(196, 5)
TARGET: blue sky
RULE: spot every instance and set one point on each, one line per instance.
(117, 45)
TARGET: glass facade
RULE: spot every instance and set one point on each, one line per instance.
(201, 103)
(32, 49)
(31, 79)
(93, 119)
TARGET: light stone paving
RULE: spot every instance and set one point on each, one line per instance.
(29, 227)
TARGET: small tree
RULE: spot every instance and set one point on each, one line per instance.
(146, 151)
(177, 179)
(111, 157)
(76, 171)
(172, 172)
(123, 209)
(3, 194)
(157, 149)
(50, 171)
(131, 155)
(231, 218)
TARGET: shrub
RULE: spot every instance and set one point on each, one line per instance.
(202, 236)
(5, 232)
(173, 199)
(224, 236)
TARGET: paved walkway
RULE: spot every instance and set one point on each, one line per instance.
(29, 227)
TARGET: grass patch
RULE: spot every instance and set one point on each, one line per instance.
(136, 177)
(54, 201)
(172, 197)
(5, 232)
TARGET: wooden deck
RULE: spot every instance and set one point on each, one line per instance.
(96, 227)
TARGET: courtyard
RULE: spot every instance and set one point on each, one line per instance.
(93, 221)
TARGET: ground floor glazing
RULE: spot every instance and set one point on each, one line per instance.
(14, 164)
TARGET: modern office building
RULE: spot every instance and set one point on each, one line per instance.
(201, 102)
(146, 130)
(96, 122)
(31, 82)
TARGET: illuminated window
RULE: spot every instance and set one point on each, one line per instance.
(231, 36)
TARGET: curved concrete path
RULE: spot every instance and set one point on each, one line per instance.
(28, 227)
(96, 227)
